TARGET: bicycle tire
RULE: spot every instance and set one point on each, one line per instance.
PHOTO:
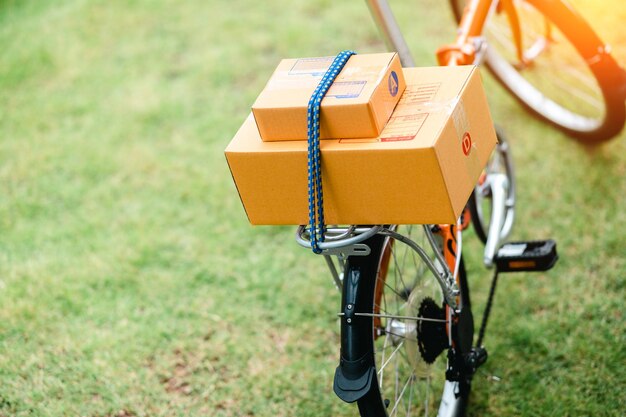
(604, 80)
(388, 283)
(479, 228)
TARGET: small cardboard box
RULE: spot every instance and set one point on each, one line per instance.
(420, 170)
(357, 105)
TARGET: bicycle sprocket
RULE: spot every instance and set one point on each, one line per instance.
(431, 335)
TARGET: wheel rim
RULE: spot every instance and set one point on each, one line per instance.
(555, 81)
(408, 385)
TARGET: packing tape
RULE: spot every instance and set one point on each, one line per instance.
(464, 136)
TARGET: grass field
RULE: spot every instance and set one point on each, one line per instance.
(131, 283)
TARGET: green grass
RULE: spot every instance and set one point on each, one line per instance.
(130, 281)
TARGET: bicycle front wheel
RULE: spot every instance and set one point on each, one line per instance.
(549, 58)
(481, 203)
(410, 336)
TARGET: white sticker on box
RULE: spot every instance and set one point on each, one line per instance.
(346, 89)
(459, 117)
(311, 66)
(402, 128)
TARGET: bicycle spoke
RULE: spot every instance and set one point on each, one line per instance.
(382, 367)
(401, 370)
(396, 385)
(395, 317)
(427, 395)
(382, 370)
(384, 310)
(392, 289)
(560, 84)
(415, 262)
(397, 268)
(578, 93)
(393, 410)
(408, 405)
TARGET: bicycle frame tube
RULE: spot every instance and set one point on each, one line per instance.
(385, 20)
(448, 236)
(465, 49)
(475, 15)
(462, 52)
(473, 20)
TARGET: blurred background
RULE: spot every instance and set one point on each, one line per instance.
(131, 283)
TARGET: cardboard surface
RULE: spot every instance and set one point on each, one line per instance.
(357, 105)
(420, 170)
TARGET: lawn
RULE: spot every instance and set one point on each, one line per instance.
(131, 283)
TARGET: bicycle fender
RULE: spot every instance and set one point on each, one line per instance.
(353, 376)
(356, 371)
(351, 390)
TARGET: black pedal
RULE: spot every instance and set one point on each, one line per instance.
(538, 255)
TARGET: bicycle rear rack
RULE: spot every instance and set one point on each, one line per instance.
(341, 240)
(348, 241)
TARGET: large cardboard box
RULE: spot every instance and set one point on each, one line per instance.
(357, 105)
(421, 169)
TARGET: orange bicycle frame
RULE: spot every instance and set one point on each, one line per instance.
(463, 50)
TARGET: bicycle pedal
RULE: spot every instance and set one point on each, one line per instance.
(538, 255)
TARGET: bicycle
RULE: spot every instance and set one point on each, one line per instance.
(543, 52)
(407, 329)
(406, 301)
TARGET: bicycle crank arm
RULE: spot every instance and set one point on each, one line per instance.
(499, 185)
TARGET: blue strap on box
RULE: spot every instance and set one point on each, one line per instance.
(316, 197)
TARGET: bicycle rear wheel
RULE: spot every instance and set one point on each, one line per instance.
(559, 70)
(409, 337)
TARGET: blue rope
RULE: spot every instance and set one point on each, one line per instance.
(316, 197)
